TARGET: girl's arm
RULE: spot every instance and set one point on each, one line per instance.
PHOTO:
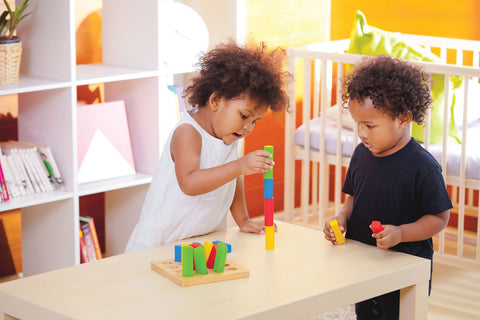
(424, 228)
(185, 149)
(239, 211)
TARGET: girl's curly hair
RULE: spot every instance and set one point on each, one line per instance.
(230, 71)
(395, 86)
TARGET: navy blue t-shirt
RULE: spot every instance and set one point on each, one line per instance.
(396, 189)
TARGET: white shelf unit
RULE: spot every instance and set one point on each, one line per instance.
(47, 114)
(131, 70)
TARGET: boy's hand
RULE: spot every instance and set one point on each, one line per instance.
(328, 232)
(255, 162)
(389, 237)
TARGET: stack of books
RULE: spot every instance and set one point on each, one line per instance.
(89, 245)
(25, 168)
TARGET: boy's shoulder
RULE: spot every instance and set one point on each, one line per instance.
(420, 155)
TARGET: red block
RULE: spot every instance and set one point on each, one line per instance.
(195, 245)
(376, 226)
(268, 212)
(211, 257)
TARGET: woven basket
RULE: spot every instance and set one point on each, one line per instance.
(10, 56)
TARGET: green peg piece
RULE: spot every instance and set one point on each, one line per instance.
(187, 261)
(221, 257)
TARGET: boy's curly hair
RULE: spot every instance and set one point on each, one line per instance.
(230, 71)
(394, 86)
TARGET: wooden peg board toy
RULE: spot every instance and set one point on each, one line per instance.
(172, 270)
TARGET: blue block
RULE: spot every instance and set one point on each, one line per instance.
(268, 188)
(229, 246)
(178, 253)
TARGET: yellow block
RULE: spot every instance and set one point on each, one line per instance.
(338, 233)
(270, 237)
(208, 249)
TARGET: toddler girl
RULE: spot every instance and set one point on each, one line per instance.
(199, 176)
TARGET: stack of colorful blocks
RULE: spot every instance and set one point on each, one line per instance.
(196, 257)
(268, 204)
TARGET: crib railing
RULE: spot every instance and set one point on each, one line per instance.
(313, 177)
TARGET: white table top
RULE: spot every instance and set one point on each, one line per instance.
(303, 276)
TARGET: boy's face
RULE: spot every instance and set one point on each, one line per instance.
(378, 131)
(235, 118)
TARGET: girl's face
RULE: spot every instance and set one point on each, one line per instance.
(377, 130)
(235, 118)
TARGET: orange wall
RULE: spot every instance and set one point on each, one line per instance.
(444, 18)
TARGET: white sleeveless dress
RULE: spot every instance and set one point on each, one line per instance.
(168, 214)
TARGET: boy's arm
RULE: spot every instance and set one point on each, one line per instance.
(424, 228)
(185, 150)
(240, 213)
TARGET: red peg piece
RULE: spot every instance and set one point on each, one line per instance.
(376, 226)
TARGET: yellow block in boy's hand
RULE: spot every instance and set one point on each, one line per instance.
(337, 232)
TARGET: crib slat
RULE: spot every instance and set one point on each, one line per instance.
(426, 130)
(446, 108)
(289, 175)
(459, 61)
(443, 54)
(339, 156)
(477, 243)
(316, 112)
(461, 204)
(305, 184)
(322, 166)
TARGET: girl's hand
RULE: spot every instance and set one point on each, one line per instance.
(252, 226)
(389, 237)
(255, 162)
(328, 232)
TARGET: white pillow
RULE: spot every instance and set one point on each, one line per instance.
(347, 121)
(473, 111)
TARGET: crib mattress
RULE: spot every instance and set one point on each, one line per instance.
(347, 141)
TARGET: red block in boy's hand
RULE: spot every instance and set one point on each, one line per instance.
(376, 226)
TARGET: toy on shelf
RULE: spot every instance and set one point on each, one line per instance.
(195, 264)
(268, 204)
(376, 226)
(338, 233)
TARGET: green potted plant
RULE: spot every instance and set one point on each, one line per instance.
(10, 44)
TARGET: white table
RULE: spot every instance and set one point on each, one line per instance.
(303, 276)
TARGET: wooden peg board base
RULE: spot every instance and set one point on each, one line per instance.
(172, 270)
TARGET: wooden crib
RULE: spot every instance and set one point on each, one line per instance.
(319, 138)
